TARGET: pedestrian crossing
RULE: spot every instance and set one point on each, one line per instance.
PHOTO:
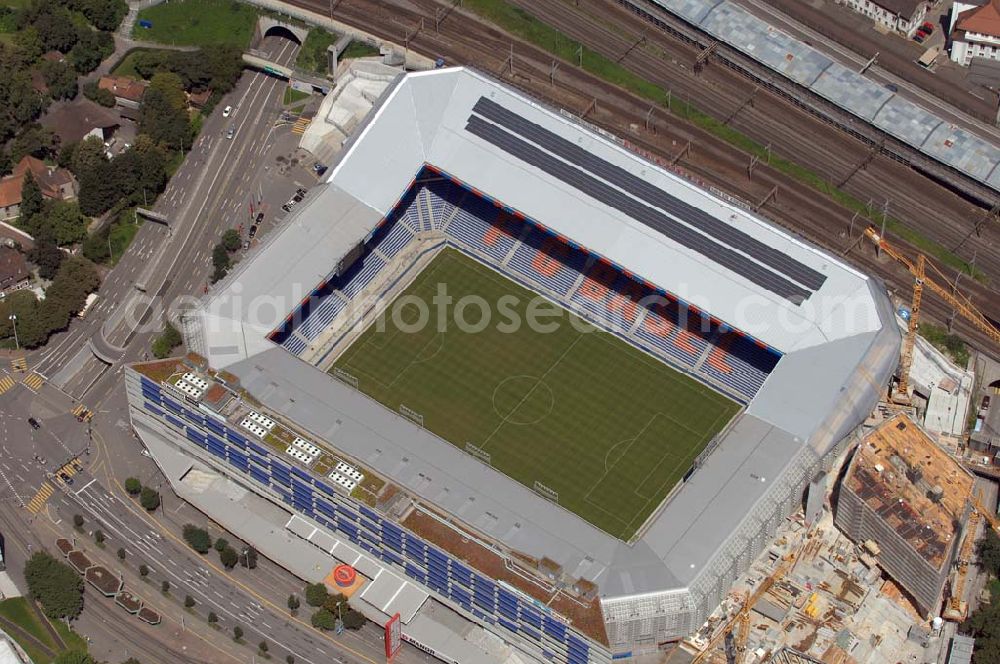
(33, 381)
(6, 382)
(38, 502)
(83, 413)
(301, 125)
(19, 364)
(69, 469)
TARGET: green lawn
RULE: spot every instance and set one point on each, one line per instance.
(198, 23)
(293, 96)
(18, 611)
(358, 49)
(127, 66)
(312, 55)
(606, 426)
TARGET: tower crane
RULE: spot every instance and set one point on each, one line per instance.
(956, 609)
(959, 302)
(737, 627)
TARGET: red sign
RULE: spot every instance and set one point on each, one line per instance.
(393, 636)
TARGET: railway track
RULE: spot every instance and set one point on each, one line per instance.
(464, 39)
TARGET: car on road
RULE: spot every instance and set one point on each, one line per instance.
(300, 191)
(34, 423)
(227, 111)
(919, 37)
(65, 478)
(145, 453)
(230, 133)
(253, 231)
(260, 218)
(891, 87)
(927, 27)
(286, 207)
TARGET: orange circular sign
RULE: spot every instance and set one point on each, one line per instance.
(344, 575)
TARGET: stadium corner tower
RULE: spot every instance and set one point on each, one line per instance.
(450, 161)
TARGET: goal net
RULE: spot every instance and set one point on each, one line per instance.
(478, 453)
(346, 377)
(546, 492)
(411, 414)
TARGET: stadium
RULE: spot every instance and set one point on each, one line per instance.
(633, 383)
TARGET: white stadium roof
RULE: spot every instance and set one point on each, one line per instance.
(840, 343)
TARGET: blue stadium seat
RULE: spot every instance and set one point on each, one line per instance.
(294, 344)
(548, 261)
(740, 363)
(484, 228)
(371, 265)
(675, 331)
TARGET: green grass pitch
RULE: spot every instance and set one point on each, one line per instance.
(605, 425)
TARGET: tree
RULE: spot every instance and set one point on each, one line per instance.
(229, 557)
(335, 602)
(131, 660)
(95, 93)
(99, 536)
(988, 553)
(249, 559)
(212, 618)
(197, 538)
(121, 553)
(231, 240)
(60, 79)
(149, 499)
(293, 603)
(165, 586)
(73, 657)
(220, 544)
(323, 619)
(262, 646)
(60, 222)
(47, 256)
(31, 197)
(36, 141)
(133, 486)
(316, 594)
(163, 114)
(55, 585)
(290, 659)
(143, 570)
(56, 29)
(78, 521)
(237, 632)
(166, 342)
(24, 305)
(90, 50)
(353, 620)
(189, 602)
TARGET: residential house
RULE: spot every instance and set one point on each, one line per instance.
(128, 92)
(14, 273)
(901, 16)
(975, 31)
(72, 121)
(55, 184)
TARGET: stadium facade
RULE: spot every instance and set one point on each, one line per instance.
(452, 158)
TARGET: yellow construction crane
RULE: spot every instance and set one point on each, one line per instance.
(740, 623)
(960, 303)
(957, 609)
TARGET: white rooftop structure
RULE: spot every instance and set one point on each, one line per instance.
(833, 324)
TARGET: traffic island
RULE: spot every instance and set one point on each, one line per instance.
(128, 601)
(79, 560)
(102, 578)
(64, 546)
(148, 615)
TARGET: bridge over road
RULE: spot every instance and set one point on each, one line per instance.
(258, 60)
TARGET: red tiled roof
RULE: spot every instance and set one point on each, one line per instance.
(123, 86)
(983, 20)
(49, 180)
(13, 267)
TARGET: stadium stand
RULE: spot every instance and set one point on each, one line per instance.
(583, 282)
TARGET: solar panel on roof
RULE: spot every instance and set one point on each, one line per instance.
(598, 190)
(649, 193)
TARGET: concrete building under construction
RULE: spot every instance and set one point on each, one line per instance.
(906, 499)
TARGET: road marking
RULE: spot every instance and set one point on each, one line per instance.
(6, 383)
(19, 364)
(84, 488)
(44, 493)
(34, 381)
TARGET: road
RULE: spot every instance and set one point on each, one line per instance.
(203, 198)
(39, 507)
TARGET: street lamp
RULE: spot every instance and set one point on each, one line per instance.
(13, 320)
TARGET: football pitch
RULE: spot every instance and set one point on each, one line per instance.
(606, 428)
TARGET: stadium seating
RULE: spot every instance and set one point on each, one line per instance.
(484, 228)
(610, 296)
(587, 284)
(548, 261)
(739, 362)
